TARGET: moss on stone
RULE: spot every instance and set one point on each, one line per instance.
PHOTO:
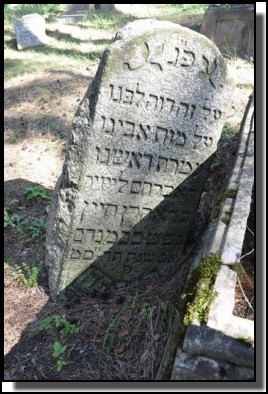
(226, 218)
(198, 295)
(217, 207)
(230, 193)
(238, 268)
(246, 340)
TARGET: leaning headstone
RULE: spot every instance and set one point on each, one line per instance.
(139, 155)
(30, 31)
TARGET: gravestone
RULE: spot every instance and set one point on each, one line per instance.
(139, 155)
(105, 7)
(231, 28)
(30, 31)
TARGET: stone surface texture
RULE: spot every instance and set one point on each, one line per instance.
(188, 367)
(30, 31)
(134, 172)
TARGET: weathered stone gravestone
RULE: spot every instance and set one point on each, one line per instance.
(30, 31)
(133, 174)
(231, 28)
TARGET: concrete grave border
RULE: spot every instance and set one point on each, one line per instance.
(215, 350)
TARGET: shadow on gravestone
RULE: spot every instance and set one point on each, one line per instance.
(152, 247)
(133, 174)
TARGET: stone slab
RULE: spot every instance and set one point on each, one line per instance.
(231, 28)
(140, 151)
(205, 341)
(233, 244)
(188, 367)
(30, 31)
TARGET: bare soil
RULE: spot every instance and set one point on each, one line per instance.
(123, 332)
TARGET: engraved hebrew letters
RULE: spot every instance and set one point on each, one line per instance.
(138, 159)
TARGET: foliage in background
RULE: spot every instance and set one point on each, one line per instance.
(49, 11)
(66, 52)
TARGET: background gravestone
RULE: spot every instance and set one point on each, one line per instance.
(133, 173)
(231, 28)
(30, 31)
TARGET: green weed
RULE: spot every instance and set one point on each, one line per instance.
(61, 323)
(15, 221)
(230, 53)
(64, 328)
(37, 230)
(100, 22)
(27, 275)
(36, 192)
(58, 349)
(21, 224)
(228, 132)
(60, 364)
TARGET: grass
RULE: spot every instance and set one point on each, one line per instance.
(168, 10)
(66, 51)
(49, 59)
(230, 53)
(228, 131)
(49, 11)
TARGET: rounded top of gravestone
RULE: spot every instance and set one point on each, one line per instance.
(29, 17)
(147, 26)
(146, 44)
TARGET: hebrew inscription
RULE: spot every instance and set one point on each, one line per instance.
(138, 158)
